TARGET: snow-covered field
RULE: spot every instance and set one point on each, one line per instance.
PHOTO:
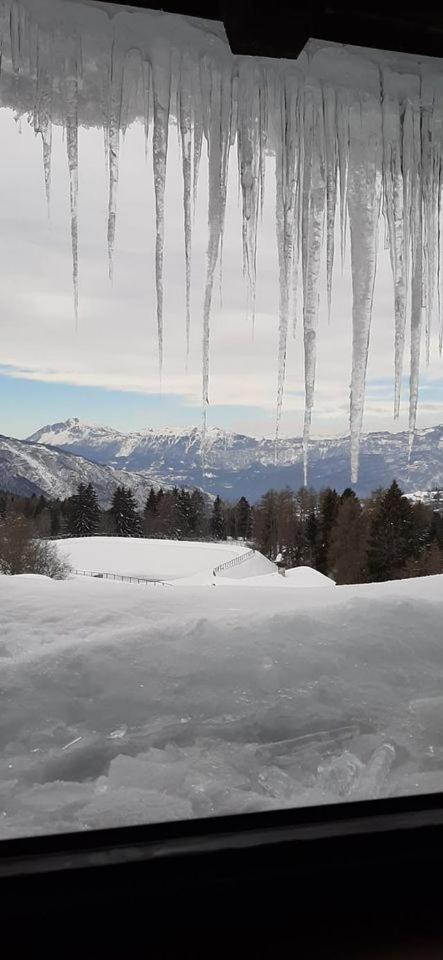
(124, 704)
(153, 559)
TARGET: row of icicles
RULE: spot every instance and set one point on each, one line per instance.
(334, 149)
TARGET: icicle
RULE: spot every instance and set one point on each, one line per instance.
(263, 121)
(185, 126)
(147, 83)
(364, 210)
(416, 325)
(116, 78)
(14, 34)
(282, 253)
(218, 111)
(314, 188)
(396, 172)
(161, 78)
(71, 81)
(343, 164)
(417, 279)
(330, 126)
(289, 187)
(43, 110)
(249, 145)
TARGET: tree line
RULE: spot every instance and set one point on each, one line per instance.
(381, 537)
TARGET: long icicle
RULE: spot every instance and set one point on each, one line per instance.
(161, 75)
(218, 111)
(71, 80)
(364, 210)
(185, 126)
(331, 155)
(43, 110)
(284, 255)
(395, 169)
(417, 279)
(116, 79)
(250, 158)
(314, 191)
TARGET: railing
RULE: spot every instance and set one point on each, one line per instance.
(234, 562)
(121, 577)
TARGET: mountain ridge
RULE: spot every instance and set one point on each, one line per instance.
(235, 464)
(27, 467)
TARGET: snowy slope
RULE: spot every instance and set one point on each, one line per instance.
(160, 559)
(27, 468)
(124, 704)
(239, 465)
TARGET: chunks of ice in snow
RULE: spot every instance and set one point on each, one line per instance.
(339, 774)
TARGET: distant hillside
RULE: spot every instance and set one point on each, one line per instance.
(27, 468)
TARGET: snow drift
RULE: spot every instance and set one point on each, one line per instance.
(124, 704)
(358, 130)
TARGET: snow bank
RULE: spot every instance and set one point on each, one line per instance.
(124, 704)
(307, 577)
(160, 559)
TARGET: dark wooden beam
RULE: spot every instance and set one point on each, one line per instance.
(278, 28)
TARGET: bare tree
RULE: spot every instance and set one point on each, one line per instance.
(20, 552)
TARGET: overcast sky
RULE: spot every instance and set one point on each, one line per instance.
(107, 370)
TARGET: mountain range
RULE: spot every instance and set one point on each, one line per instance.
(232, 464)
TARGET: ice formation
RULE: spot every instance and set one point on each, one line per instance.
(357, 130)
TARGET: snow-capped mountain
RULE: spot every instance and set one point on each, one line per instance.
(27, 468)
(234, 464)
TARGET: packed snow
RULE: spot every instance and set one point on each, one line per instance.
(126, 704)
(307, 577)
(350, 129)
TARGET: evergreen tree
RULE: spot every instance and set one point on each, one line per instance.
(329, 505)
(391, 540)
(55, 523)
(312, 538)
(266, 533)
(348, 494)
(197, 514)
(151, 503)
(348, 547)
(3, 505)
(217, 522)
(244, 519)
(151, 512)
(183, 512)
(84, 512)
(124, 513)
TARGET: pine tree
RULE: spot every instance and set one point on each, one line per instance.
(312, 538)
(217, 522)
(329, 505)
(151, 503)
(266, 532)
(55, 522)
(84, 512)
(244, 519)
(124, 513)
(391, 540)
(151, 513)
(348, 547)
(197, 514)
